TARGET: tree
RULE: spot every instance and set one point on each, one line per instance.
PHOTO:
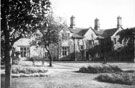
(127, 39)
(19, 19)
(49, 37)
(106, 48)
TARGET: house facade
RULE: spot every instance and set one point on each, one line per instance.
(74, 42)
(28, 50)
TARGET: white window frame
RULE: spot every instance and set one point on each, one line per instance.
(25, 51)
(65, 50)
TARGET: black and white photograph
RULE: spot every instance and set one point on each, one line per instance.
(67, 44)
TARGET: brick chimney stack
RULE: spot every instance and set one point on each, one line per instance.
(119, 22)
(72, 22)
(97, 24)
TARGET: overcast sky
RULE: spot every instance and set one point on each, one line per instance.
(86, 11)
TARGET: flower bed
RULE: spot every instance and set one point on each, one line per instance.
(100, 69)
(28, 71)
(121, 78)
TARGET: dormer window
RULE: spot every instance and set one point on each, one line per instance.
(65, 36)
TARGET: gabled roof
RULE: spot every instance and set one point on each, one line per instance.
(23, 42)
(76, 36)
(105, 33)
(64, 28)
(78, 32)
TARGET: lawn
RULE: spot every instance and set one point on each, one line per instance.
(64, 75)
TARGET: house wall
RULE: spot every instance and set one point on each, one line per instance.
(75, 52)
(90, 35)
(33, 51)
(77, 47)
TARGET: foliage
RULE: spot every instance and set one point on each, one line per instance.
(100, 69)
(19, 18)
(121, 78)
(104, 49)
(123, 50)
(48, 37)
(126, 35)
(126, 50)
(35, 58)
(94, 50)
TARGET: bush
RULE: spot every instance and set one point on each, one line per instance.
(28, 70)
(100, 69)
(121, 78)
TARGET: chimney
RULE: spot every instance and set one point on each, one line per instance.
(97, 25)
(72, 22)
(119, 22)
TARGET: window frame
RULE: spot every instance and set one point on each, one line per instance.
(25, 51)
(65, 50)
(65, 36)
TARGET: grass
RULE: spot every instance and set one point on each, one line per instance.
(120, 78)
(67, 79)
(100, 69)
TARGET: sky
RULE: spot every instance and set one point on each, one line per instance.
(85, 11)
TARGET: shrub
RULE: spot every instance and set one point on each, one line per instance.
(28, 70)
(83, 69)
(100, 69)
(121, 78)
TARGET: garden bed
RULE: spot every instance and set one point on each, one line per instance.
(20, 71)
(100, 69)
(120, 78)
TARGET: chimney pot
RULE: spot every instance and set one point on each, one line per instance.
(97, 24)
(119, 22)
(72, 21)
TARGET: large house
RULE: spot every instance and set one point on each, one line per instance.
(77, 41)
(74, 42)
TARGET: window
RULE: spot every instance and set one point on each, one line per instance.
(25, 51)
(65, 36)
(81, 47)
(46, 54)
(65, 51)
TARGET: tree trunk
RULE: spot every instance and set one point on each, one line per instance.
(7, 57)
(8, 62)
(50, 57)
(134, 45)
(74, 51)
(8, 70)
